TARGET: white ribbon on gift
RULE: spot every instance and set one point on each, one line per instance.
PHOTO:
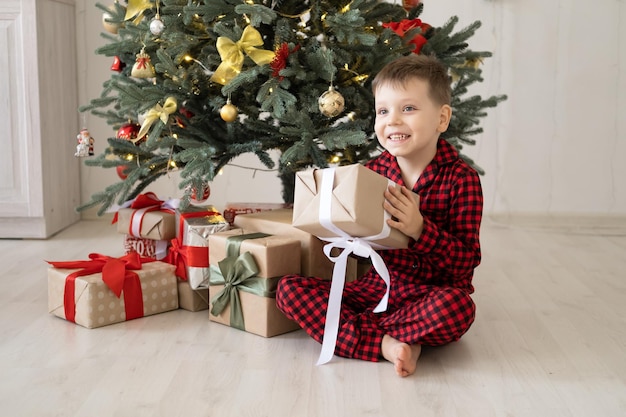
(362, 246)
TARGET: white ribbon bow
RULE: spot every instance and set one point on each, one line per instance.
(363, 246)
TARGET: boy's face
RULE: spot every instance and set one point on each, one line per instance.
(408, 122)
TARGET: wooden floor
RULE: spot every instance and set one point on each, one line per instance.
(549, 340)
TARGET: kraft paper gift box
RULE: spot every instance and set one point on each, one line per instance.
(192, 300)
(352, 203)
(266, 259)
(156, 225)
(148, 217)
(313, 261)
(143, 289)
(190, 251)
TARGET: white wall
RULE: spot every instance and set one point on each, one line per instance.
(555, 147)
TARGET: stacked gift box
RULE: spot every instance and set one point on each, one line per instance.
(271, 243)
(148, 225)
(190, 253)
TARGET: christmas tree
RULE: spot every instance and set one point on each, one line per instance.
(196, 83)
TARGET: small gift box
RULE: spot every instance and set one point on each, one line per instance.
(148, 217)
(245, 270)
(105, 290)
(345, 201)
(234, 209)
(190, 250)
(147, 248)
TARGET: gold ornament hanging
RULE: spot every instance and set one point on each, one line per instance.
(229, 112)
(143, 68)
(107, 24)
(331, 103)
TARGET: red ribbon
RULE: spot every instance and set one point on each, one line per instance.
(117, 274)
(141, 62)
(183, 256)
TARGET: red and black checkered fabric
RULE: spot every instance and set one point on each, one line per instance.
(431, 282)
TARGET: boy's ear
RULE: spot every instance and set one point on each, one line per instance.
(444, 118)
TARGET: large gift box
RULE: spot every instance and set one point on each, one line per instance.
(251, 264)
(105, 290)
(190, 250)
(148, 217)
(345, 201)
(313, 261)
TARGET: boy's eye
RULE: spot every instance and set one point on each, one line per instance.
(409, 108)
(382, 111)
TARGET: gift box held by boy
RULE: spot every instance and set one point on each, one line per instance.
(431, 281)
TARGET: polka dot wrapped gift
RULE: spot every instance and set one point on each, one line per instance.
(105, 290)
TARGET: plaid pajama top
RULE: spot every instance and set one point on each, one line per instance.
(451, 202)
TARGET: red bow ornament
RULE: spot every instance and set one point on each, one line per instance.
(405, 25)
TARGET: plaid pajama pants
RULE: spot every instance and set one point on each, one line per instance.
(417, 313)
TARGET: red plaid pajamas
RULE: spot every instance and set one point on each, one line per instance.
(431, 282)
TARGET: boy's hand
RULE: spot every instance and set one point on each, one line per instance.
(403, 205)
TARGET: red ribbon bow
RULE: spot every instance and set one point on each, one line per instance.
(146, 200)
(183, 256)
(117, 274)
(142, 62)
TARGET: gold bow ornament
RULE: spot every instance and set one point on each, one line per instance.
(232, 54)
(157, 112)
(135, 10)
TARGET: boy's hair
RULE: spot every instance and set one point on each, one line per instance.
(428, 68)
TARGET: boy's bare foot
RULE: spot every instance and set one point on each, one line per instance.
(403, 356)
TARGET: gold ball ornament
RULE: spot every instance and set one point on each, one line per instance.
(229, 112)
(331, 103)
(111, 27)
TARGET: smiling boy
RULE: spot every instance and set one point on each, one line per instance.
(431, 280)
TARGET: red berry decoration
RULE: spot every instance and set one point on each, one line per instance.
(129, 131)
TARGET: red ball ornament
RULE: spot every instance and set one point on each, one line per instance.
(129, 131)
(121, 171)
(206, 192)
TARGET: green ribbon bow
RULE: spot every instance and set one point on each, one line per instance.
(238, 272)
